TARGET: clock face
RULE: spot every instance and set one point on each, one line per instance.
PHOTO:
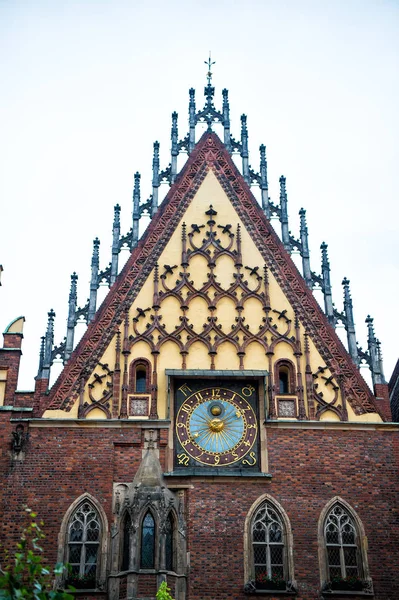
(216, 425)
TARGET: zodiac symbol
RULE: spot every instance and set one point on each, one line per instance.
(247, 391)
(250, 464)
(183, 459)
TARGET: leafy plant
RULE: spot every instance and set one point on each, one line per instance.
(26, 576)
(346, 583)
(163, 592)
(273, 582)
(82, 582)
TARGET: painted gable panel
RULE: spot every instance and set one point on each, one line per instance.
(212, 302)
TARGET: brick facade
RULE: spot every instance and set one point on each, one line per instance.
(308, 468)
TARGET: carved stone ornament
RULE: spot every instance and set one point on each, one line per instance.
(19, 438)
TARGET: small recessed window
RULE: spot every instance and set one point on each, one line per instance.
(284, 380)
(141, 380)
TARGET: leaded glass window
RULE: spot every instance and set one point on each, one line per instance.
(126, 543)
(268, 543)
(341, 543)
(84, 541)
(169, 544)
(148, 542)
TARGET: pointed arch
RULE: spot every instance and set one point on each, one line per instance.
(171, 541)
(148, 540)
(83, 539)
(268, 543)
(126, 541)
(342, 544)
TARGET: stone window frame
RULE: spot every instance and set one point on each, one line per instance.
(249, 570)
(63, 539)
(364, 572)
(134, 365)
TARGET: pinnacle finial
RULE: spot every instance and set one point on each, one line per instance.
(307, 273)
(325, 271)
(285, 234)
(209, 63)
(350, 323)
(117, 213)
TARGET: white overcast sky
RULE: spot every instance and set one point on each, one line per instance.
(86, 87)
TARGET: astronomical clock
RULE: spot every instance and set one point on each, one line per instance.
(216, 425)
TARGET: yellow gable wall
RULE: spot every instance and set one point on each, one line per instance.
(198, 312)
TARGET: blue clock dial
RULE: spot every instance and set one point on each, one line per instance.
(216, 426)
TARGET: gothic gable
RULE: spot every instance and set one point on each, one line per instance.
(210, 283)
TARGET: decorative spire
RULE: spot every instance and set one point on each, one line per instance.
(136, 210)
(263, 181)
(380, 361)
(209, 92)
(41, 357)
(307, 274)
(116, 229)
(226, 119)
(350, 324)
(155, 179)
(244, 149)
(175, 149)
(209, 63)
(71, 318)
(191, 120)
(325, 272)
(375, 353)
(95, 261)
(48, 345)
(284, 214)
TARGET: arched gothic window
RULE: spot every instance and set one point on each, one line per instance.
(126, 543)
(147, 559)
(341, 541)
(268, 544)
(169, 544)
(268, 555)
(84, 534)
(343, 549)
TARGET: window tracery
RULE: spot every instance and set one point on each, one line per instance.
(343, 549)
(268, 548)
(267, 543)
(83, 543)
(341, 543)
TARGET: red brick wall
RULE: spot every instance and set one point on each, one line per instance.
(309, 467)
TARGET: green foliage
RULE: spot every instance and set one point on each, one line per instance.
(163, 592)
(26, 576)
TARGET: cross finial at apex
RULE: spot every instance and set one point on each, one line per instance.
(209, 64)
